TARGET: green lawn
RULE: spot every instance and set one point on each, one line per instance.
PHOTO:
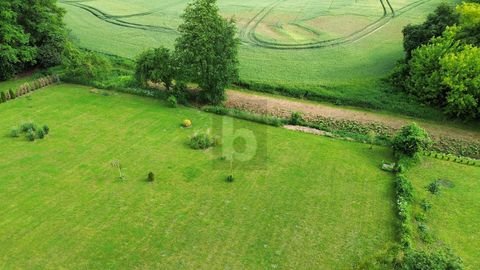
(347, 72)
(310, 203)
(454, 216)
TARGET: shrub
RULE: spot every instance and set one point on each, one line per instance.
(439, 260)
(187, 123)
(3, 97)
(404, 188)
(46, 129)
(30, 135)
(151, 177)
(28, 126)
(202, 140)
(426, 205)
(230, 178)
(410, 140)
(14, 132)
(40, 134)
(296, 118)
(172, 101)
(434, 187)
(12, 94)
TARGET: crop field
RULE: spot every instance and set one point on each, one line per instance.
(335, 48)
(311, 202)
(454, 215)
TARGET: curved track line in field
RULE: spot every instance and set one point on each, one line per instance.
(116, 19)
(248, 32)
(249, 36)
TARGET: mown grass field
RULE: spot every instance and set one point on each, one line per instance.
(366, 43)
(315, 203)
(454, 216)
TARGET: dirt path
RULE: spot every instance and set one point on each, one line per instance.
(284, 107)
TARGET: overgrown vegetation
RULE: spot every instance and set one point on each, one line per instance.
(203, 140)
(409, 257)
(31, 131)
(32, 33)
(411, 140)
(442, 64)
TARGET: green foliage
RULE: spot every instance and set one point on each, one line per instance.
(172, 101)
(28, 126)
(15, 132)
(425, 205)
(439, 260)
(84, 65)
(410, 140)
(3, 97)
(202, 140)
(230, 178)
(416, 35)
(15, 48)
(151, 177)
(444, 65)
(40, 134)
(296, 118)
(30, 135)
(461, 75)
(46, 129)
(157, 66)
(43, 21)
(207, 49)
(32, 32)
(434, 187)
(12, 94)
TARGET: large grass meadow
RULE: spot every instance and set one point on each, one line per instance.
(335, 49)
(454, 216)
(311, 202)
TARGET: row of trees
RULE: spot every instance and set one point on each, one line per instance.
(205, 54)
(31, 33)
(442, 64)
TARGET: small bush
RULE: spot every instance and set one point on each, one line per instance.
(172, 101)
(426, 205)
(421, 260)
(434, 187)
(230, 178)
(411, 140)
(151, 177)
(3, 97)
(46, 129)
(14, 132)
(30, 135)
(296, 119)
(12, 94)
(25, 127)
(202, 141)
(40, 134)
(187, 123)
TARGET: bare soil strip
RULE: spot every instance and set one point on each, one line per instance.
(311, 111)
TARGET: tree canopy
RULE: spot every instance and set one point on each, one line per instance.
(445, 70)
(31, 33)
(207, 49)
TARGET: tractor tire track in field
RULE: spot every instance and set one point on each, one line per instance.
(281, 107)
(116, 19)
(249, 32)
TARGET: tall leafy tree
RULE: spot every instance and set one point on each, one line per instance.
(416, 35)
(157, 66)
(15, 49)
(43, 20)
(208, 49)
